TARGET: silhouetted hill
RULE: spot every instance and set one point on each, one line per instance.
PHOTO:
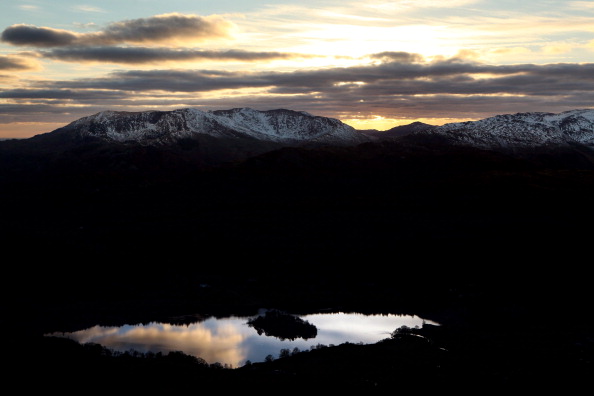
(397, 131)
(491, 243)
(440, 214)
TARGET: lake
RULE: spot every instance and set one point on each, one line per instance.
(232, 341)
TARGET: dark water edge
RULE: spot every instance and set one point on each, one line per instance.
(494, 249)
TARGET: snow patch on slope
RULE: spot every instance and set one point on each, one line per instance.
(284, 126)
(521, 130)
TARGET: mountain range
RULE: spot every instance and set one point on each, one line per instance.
(225, 135)
(243, 178)
(521, 130)
(157, 127)
(199, 138)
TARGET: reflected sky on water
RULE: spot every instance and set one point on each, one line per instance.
(231, 341)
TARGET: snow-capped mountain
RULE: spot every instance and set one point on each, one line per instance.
(520, 130)
(164, 127)
(211, 138)
(281, 127)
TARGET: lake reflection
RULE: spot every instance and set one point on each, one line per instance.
(231, 341)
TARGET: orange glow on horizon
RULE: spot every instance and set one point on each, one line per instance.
(26, 130)
(23, 130)
(383, 124)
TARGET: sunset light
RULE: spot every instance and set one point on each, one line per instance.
(373, 64)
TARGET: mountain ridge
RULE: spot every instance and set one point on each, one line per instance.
(285, 127)
(162, 127)
(189, 136)
(196, 138)
(519, 130)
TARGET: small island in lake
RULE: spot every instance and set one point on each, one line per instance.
(276, 323)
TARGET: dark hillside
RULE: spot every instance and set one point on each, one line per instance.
(476, 240)
(419, 211)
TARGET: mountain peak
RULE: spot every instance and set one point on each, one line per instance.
(164, 127)
(519, 130)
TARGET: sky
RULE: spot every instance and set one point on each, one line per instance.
(372, 64)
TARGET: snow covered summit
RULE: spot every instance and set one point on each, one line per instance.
(520, 130)
(163, 127)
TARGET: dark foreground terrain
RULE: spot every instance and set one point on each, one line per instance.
(495, 248)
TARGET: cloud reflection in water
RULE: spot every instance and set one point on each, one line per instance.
(232, 342)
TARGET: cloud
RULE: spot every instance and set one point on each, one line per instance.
(452, 76)
(163, 28)
(13, 63)
(223, 343)
(32, 36)
(169, 81)
(400, 56)
(60, 94)
(170, 28)
(144, 55)
(87, 8)
(556, 49)
(87, 25)
(400, 85)
(28, 7)
(117, 43)
(415, 4)
(509, 51)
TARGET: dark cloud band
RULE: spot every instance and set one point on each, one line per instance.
(162, 28)
(14, 63)
(141, 55)
(32, 36)
(157, 29)
(399, 85)
(443, 77)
